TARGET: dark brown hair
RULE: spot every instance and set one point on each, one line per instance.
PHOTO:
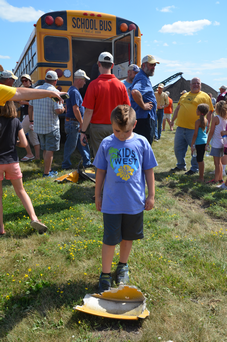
(9, 110)
(203, 109)
(123, 115)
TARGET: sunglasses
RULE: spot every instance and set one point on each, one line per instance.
(24, 81)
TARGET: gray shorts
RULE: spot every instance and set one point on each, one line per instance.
(50, 141)
(217, 152)
(118, 227)
(167, 116)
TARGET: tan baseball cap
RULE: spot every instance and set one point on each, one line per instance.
(149, 59)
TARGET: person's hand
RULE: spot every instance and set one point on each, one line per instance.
(83, 139)
(98, 202)
(149, 203)
(171, 123)
(148, 106)
(31, 126)
(58, 95)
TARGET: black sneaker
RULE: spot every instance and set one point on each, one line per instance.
(190, 173)
(122, 276)
(105, 281)
(177, 169)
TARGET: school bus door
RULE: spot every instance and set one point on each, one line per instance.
(123, 50)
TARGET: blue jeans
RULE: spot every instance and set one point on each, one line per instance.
(183, 139)
(73, 141)
(158, 123)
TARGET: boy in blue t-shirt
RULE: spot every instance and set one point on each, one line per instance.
(124, 160)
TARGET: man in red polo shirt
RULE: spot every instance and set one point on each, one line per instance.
(103, 94)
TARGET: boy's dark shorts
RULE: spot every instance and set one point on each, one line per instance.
(118, 227)
(200, 149)
(225, 150)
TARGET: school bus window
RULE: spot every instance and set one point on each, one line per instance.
(56, 49)
(34, 60)
(122, 50)
(33, 47)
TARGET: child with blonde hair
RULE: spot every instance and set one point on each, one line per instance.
(10, 130)
(199, 138)
(217, 147)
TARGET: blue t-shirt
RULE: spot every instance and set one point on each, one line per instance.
(127, 84)
(142, 83)
(124, 162)
(74, 99)
(201, 136)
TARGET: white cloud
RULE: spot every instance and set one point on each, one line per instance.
(199, 41)
(217, 64)
(174, 43)
(4, 57)
(187, 67)
(216, 23)
(165, 44)
(185, 27)
(167, 9)
(16, 14)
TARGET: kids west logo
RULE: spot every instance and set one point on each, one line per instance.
(124, 162)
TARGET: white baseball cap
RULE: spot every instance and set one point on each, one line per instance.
(106, 57)
(8, 74)
(51, 75)
(81, 74)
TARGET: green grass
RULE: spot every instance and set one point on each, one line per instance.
(180, 265)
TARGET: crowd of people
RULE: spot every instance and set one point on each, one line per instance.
(122, 119)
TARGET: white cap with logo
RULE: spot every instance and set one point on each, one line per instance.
(106, 57)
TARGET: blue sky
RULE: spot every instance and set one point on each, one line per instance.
(186, 37)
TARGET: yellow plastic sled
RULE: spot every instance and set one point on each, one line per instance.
(125, 302)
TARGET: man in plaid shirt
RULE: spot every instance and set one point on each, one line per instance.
(45, 113)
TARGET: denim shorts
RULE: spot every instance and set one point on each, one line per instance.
(118, 227)
(50, 141)
(217, 152)
(11, 171)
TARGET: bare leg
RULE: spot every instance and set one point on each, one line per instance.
(48, 158)
(201, 171)
(218, 169)
(37, 151)
(168, 120)
(163, 124)
(23, 196)
(224, 162)
(125, 249)
(107, 257)
(2, 231)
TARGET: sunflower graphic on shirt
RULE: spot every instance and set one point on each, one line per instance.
(124, 162)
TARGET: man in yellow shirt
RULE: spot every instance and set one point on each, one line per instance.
(162, 102)
(186, 116)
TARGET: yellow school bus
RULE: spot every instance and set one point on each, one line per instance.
(66, 41)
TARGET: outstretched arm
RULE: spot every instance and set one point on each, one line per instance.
(32, 94)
